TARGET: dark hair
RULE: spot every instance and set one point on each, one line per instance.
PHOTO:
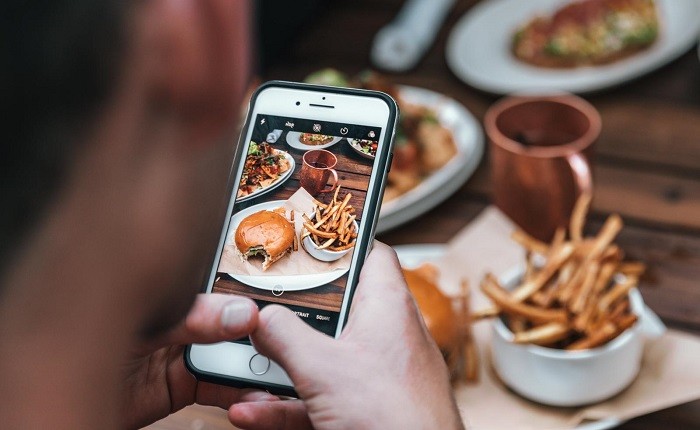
(61, 60)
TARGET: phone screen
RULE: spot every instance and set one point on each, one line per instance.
(299, 206)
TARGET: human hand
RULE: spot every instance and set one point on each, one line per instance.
(156, 380)
(384, 371)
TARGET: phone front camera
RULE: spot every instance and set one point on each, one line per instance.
(298, 103)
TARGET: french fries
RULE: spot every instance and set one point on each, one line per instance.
(578, 298)
(332, 226)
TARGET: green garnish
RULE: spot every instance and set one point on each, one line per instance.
(553, 47)
(253, 149)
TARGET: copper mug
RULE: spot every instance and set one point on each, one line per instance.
(317, 168)
(541, 149)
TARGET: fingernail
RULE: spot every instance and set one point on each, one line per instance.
(236, 313)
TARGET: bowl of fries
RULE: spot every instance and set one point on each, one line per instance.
(331, 231)
(566, 329)
(318, 251)
(569, 378)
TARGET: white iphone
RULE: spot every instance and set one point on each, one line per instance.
(309, 178)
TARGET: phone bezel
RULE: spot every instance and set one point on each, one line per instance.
(297, 100)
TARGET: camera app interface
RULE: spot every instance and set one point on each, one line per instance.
(298, 209)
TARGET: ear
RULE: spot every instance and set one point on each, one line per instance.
(201, 58)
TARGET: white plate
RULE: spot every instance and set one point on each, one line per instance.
(478, 49)
(283, 177)
(294, 142)
(357, 149)
(413, 255)
(441, 184)
(270, 282)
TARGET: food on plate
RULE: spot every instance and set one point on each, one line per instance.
(588, 32)
(332, 226)
(447, 321)
(574, 294)
(263, 166)
(267, 234)
(368, 147)
(423, 145)
(313, 139)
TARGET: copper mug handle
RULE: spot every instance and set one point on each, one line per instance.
(581, 170)
(335, 182)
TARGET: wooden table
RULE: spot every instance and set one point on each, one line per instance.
(647, 164)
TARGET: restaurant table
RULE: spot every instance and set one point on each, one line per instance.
(647, 168)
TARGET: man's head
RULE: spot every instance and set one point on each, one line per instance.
(121, 119)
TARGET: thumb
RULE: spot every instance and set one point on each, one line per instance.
(214, 318)
(287, 340)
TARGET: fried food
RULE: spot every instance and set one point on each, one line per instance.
(578, 297)
(447, 320)
(333, 226)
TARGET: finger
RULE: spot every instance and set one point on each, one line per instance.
(279, 415)
(223, 397)
(382, 295)
(286, 339)
(215, 318)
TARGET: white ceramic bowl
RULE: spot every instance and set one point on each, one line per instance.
(569, 378)
(324, 254)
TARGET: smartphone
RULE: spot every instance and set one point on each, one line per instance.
(310, 172)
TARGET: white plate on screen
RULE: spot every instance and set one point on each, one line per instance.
(356, 146)
(478, 49)
(282, 178)
(412, 256)
(271, 282)
(441, 184)
(294, 142)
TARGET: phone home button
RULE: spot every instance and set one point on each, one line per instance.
(259, 364)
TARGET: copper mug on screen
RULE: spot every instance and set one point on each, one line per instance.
(318, 166)
(541, 148)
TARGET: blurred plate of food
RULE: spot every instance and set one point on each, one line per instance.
(264, 170)
(438, 146)
(503, 46)
(415, 255)
(306, 141)
(366, 148)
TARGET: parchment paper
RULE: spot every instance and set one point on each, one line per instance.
(669, 375)
(296, 263)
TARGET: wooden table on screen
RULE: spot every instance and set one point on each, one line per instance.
(647, 165)
(353, 176)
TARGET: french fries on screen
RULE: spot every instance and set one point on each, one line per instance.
(574, 293)
(332, 226)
